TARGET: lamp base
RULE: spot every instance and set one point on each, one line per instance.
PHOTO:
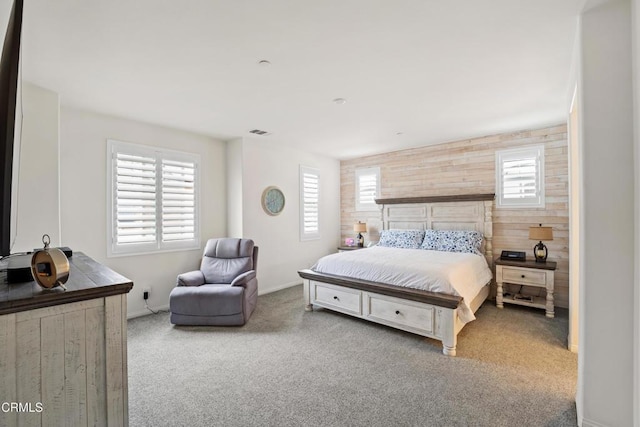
(360, 240)
(540, 252)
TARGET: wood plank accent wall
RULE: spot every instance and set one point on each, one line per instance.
(468, 166)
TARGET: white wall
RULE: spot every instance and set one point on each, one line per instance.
(36, 190)
(575, 197)
(606, 363)
(234, 188)
(282, 254)
(83, 196)
(635, 5)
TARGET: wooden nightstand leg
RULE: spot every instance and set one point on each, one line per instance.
(499, 295)
(550, 308)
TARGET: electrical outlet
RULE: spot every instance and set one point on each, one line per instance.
(145, 293)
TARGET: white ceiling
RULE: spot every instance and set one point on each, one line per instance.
(434, 70)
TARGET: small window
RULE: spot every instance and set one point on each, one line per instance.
(309, 203)
(520, 177)
(153, 199)
(367, 188)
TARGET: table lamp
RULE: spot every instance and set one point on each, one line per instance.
(360, 227)
(540, 233)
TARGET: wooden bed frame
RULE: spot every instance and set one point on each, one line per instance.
(425, 313)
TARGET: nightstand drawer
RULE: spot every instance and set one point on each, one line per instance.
(524, 276)
(342, 299)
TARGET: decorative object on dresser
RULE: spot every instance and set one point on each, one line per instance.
(50, 266)
(540, 233)
(360, 227)
(436, 314)
(526, 273)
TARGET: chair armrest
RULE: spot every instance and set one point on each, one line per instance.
(192, 278)
(244, 278)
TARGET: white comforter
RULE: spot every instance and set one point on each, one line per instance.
(461, 274)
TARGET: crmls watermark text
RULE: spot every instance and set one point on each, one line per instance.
(21, 407)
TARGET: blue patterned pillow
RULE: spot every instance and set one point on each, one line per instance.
(452, 241)
(406, 239)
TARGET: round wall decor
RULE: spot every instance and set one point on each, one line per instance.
(272, 200)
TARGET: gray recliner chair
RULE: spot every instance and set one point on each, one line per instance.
(224, 291)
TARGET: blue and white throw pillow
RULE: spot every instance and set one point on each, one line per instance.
(406, 239)
(452, 241)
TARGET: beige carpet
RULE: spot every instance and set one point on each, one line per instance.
(288, 367)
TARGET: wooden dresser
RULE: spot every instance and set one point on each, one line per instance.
(63, 354)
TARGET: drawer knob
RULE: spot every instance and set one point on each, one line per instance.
(522, 276)
(397, 311)
(336, 298)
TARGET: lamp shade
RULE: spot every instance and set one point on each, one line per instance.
(360, 227)
(540, 233)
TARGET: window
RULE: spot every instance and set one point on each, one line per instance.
(309, 203)
(520, 177)
(152, 199)
(367, 188)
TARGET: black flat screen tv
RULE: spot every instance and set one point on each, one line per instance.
(9, 67)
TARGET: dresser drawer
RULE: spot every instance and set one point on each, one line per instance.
(407, 315)
(524, 276)
(337, 298)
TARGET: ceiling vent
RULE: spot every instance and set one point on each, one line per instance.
(259, 132)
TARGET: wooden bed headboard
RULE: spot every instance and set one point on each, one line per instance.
(461, 212)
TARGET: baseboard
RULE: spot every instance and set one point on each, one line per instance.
(144, 312)
(590, 423)
(279, 287)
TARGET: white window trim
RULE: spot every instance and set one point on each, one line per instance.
(114, 250)
(367, 171)
(536, 151)
(304, 236)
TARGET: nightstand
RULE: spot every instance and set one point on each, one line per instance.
(526, 273)
(348, 248)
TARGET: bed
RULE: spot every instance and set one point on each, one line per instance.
(397, 294)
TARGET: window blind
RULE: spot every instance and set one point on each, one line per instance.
(367, 188)
(153, 203)
(520, 177)
(310, 203)
(135, 199)
(178, 200)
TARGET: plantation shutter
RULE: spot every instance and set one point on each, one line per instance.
(153, 200)
(520, 177)
(367, 184)
(178, 200)
(310, 203)
(135, 212)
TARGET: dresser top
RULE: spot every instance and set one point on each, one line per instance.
(529, 263)
(88, 279)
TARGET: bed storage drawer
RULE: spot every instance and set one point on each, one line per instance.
(407, 315)
(337, 298)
